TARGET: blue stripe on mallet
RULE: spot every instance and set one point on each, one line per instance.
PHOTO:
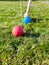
(26, 20)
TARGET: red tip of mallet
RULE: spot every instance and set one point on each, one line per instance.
(17, 31)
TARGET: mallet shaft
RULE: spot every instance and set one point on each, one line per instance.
(29, 2)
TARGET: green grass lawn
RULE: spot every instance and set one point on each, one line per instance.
(33, 47)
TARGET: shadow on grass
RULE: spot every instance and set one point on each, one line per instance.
(37, 19)
(31, 35)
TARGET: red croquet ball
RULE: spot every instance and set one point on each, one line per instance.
(17, 31)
